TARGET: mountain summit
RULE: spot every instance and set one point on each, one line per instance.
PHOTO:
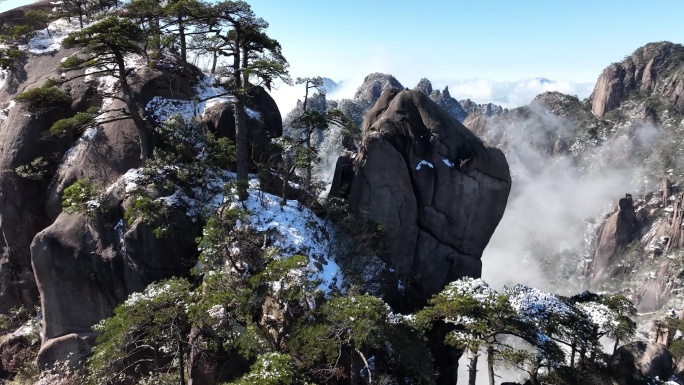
(655, 69)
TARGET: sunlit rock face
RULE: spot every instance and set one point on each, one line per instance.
(655, 68)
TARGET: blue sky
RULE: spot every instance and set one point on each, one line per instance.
(482, 49)
(560, 40)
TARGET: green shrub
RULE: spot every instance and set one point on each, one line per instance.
(51, 82)
(77, 197)
(14, 318)
(221, 151)
(44, 97)
(273, 369)
(677, 349)
(150, 211)
(71, 62)
(35, 171)
(9, 57)
(74, 124)
(17, 34)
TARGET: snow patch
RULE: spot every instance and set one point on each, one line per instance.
(4, 113)
(256, 115)
(207, 95)
(4, 74)
(77, 149)
(43, 42)
(295, 229)
(424, 163)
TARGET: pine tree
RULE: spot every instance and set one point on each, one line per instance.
(144, 335)
(106, 44)
(40, 17)
(254, 55)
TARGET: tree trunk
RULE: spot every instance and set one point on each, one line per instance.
(309, 160)
(352, 370)
(573, 351)
(286, 184)
(472, 366)
(241, 138)
(490, 364)
(580, 364)
(368, 368)
(181, 364)
(181, 37)
(533, 378)
(615, 346)
(241, 144)
(140, 123)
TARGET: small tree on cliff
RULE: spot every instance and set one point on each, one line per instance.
(485, 320)
(307, 122)
(254, 56)
(105, 45)
(40, 17)
(146, 336)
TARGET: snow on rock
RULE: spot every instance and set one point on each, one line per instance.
(475, 288)
(448, 162)
(3, 77)
(77, 149)
(295, 229)
(43, 43)
(107, 84)
(4, 113)
(424, 163)
(207, 95)
(30, 327)
(256, 115)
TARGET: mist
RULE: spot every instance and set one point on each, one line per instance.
(557, 203)
(508, 94)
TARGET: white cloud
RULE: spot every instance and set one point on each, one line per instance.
(512, 94)
(506, 93)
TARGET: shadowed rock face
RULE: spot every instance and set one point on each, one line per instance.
(639, 361)
(436, 189)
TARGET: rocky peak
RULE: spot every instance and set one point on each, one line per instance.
(373, 85)
(425, 86)
(435, 187)
(444, 99)
(617, 231)
(474, 109)
(446, 92)
(656, 68)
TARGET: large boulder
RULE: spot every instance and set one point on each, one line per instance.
(437, 190)
(86, 266)
(22, 215)
(639, 361)
(615, 233)
(264, 123)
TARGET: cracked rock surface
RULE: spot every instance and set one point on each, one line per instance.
(438, 191)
